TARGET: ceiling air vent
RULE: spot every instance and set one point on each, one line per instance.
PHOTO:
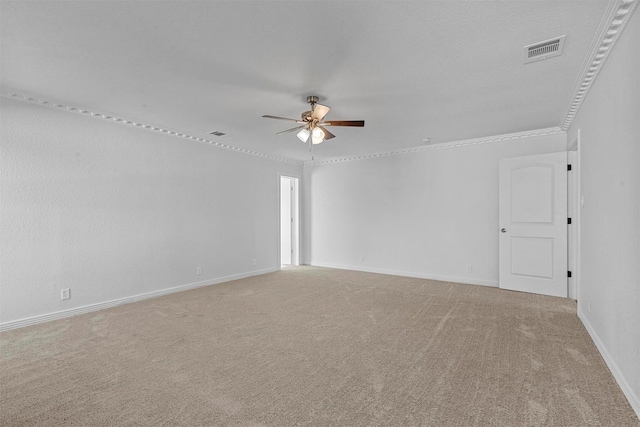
(217, 133)
(544, 50)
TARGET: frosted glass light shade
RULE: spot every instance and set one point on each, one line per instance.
(317, 136)
(303, 135)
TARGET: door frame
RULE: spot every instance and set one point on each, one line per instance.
(574, 200)
(295, 228)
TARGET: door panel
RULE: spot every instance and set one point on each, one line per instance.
(532, 257)
(532, 194)
(533, 224)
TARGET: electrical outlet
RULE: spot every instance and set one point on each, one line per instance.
(199, 271)
(469, 268)
(65, 293)
(254, 262)
(361, 258)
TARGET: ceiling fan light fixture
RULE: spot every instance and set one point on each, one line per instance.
(317, 136)
(313, 124)
(303, 135)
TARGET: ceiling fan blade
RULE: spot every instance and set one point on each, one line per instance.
(319, 111)
(291, 130)
(357, 123)
(327, 134)
(282, 118)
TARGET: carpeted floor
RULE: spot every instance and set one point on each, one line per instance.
(314, 346)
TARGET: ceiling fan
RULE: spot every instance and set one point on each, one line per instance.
(312, 124)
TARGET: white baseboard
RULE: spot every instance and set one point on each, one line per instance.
(463, 280)
(126, 300)
(631, 396)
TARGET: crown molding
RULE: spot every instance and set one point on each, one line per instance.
(614, 21)
(131, 123)
(453, 144)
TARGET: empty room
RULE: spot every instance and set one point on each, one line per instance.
(328, 213)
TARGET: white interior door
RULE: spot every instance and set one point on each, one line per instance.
(533, 224)
(286, 220)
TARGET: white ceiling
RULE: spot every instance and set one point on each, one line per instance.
(444, 70)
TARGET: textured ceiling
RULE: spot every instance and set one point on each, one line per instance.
(444, 70)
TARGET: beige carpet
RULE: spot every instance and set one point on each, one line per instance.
(319, 347)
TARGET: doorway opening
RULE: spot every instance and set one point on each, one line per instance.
(289, 221)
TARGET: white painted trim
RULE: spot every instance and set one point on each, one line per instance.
(633, 399)
(578, 257)
(462, 280)
(574, 155)
(573, 203)
(452, 144)
(131, 123)
(297, 257)
(296, 220)
(126, 300)
(611, 26)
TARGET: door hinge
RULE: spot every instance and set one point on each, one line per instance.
(568, 220)
(568, 167)
(568, 274)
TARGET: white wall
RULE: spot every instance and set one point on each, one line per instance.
(609, 124)
(113, 211)
(424, 214)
